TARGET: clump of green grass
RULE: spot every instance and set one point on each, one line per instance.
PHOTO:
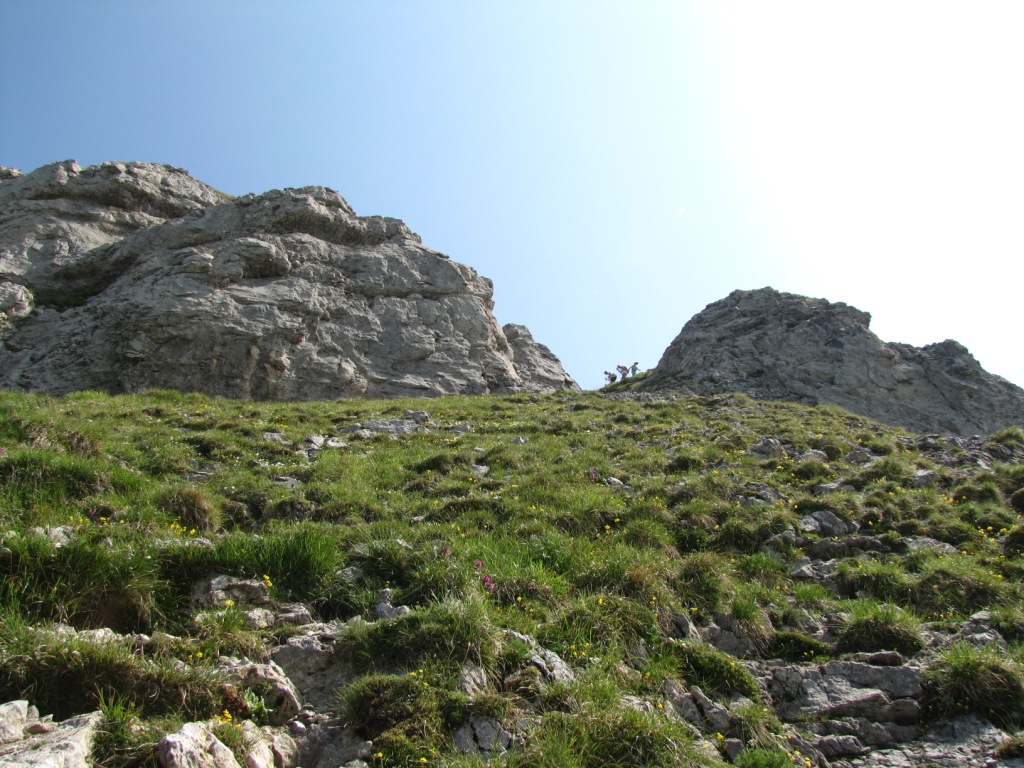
(607, 736)
(66, 676)
(982, 680)
(714, 671)
(159, 490)
(191, 507)
(796, 647)
(81, 583)
(874, 626)
(602, 624)
(764, 758)
(448, 634)
(404, 715)
(1011, 747)
(882, 579)
(960, 584)
(702, 581)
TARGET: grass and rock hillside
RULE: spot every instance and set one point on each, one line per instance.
(588, 579)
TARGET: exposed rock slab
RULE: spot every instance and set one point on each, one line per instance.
(29, 741)
(779, 346)
(124, 277)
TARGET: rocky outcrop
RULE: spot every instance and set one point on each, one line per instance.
(127, 276)
(30, 741)
(535, 361)
(780, 346)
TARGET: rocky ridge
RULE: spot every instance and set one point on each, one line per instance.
(780, 346)
(128, 276)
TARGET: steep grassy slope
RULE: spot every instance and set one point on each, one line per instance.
(603, 530)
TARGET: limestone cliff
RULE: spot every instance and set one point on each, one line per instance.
(780, 346)
(128, 276)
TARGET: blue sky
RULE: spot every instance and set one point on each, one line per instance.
(613, 167)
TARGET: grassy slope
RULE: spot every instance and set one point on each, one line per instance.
(159, 490)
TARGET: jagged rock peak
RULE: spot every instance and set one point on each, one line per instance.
(780, 346)
(128, 276)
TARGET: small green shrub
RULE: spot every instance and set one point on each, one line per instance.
(234, 736)
(1017, 500)
(120, 717)
(982, 488)
(812, 471)
(958, 584)
(684, 461)
(1012, 437)
(80, 583)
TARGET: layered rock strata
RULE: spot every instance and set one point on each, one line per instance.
(128, 276)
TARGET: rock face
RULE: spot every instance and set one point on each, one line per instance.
(779, 346)
(30, 741)
(127, 276)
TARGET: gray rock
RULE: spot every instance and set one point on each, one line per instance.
(858, 456)
(310, 663)
(684, 627)
(847, 689)
(472, 680)
(733, 747)
(925, 478)
(293, 613)
(258, 618)
(551, 666)
(825, 523)
(725, 634)
(58, 535)
(841, 746)
(217, 590)
(813, 455)
(385, 610)
(535, 362)
(281, 697)
(967, 741)
(195, 746)
(490, 736)
(715, 716)
(28, 741)
(771, 447)
(122, 277)
(900, 682)
(779, 346)
(331, 745)
(915, 543)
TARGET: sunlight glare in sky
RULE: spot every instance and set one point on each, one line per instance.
(884, 140)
